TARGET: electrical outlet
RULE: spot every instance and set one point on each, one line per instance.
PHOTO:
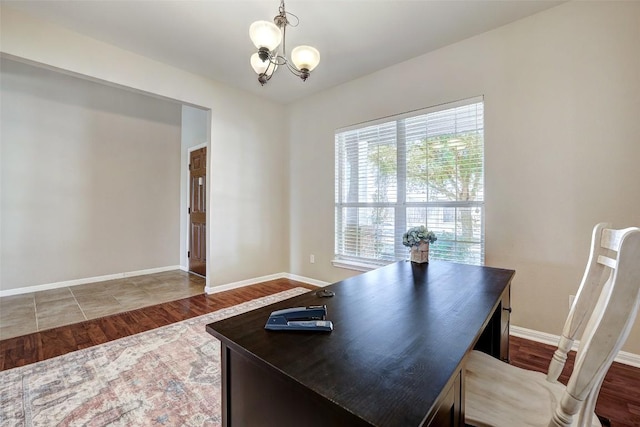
(312, 259)
(571, 298)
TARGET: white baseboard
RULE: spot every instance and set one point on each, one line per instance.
(307, 280)
(545, 338)
(83, 281)
(241, 283)
(256, 280)
(208, 290)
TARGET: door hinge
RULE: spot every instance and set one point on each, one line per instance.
(188, 254)
(188, 210)
(189, 166)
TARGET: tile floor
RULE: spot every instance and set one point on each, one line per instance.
(38, 311)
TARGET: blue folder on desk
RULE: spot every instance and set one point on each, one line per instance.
(312, 318)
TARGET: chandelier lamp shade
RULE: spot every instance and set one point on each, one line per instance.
(270, 40)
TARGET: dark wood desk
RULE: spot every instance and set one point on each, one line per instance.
(395, 357)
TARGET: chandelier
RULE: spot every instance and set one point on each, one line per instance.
(268, 36)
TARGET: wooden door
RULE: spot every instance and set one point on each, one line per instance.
(198, 211)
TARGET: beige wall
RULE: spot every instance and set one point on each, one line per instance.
(247, 217)
(562, 98)
(90, 178)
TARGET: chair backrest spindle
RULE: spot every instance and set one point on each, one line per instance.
(593, 281)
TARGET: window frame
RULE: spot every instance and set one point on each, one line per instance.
(401, 205)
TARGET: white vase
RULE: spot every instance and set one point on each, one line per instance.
(420, 254)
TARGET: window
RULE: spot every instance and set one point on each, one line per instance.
(420, 168)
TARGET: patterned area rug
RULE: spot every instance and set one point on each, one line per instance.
(166, 376)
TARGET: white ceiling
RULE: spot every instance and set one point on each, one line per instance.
(211, 37)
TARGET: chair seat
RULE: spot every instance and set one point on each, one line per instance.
(499, 394)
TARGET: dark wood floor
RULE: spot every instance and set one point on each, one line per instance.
(619, 398)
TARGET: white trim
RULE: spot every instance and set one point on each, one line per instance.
(221, 288)
(83, 281)
(248, 282)
(537, 336)
(354, 265)
(307, 280)
(623, 357)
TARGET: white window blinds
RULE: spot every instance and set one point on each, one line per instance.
(421, 168)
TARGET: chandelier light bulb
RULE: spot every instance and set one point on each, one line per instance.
(260, 66)
(305, 57)
(265, 34)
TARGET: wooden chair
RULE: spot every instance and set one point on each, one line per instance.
(499, 394)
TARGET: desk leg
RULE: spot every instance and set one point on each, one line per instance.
(461, 394)
(224, 384)
(450, 410)
(505, 321)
